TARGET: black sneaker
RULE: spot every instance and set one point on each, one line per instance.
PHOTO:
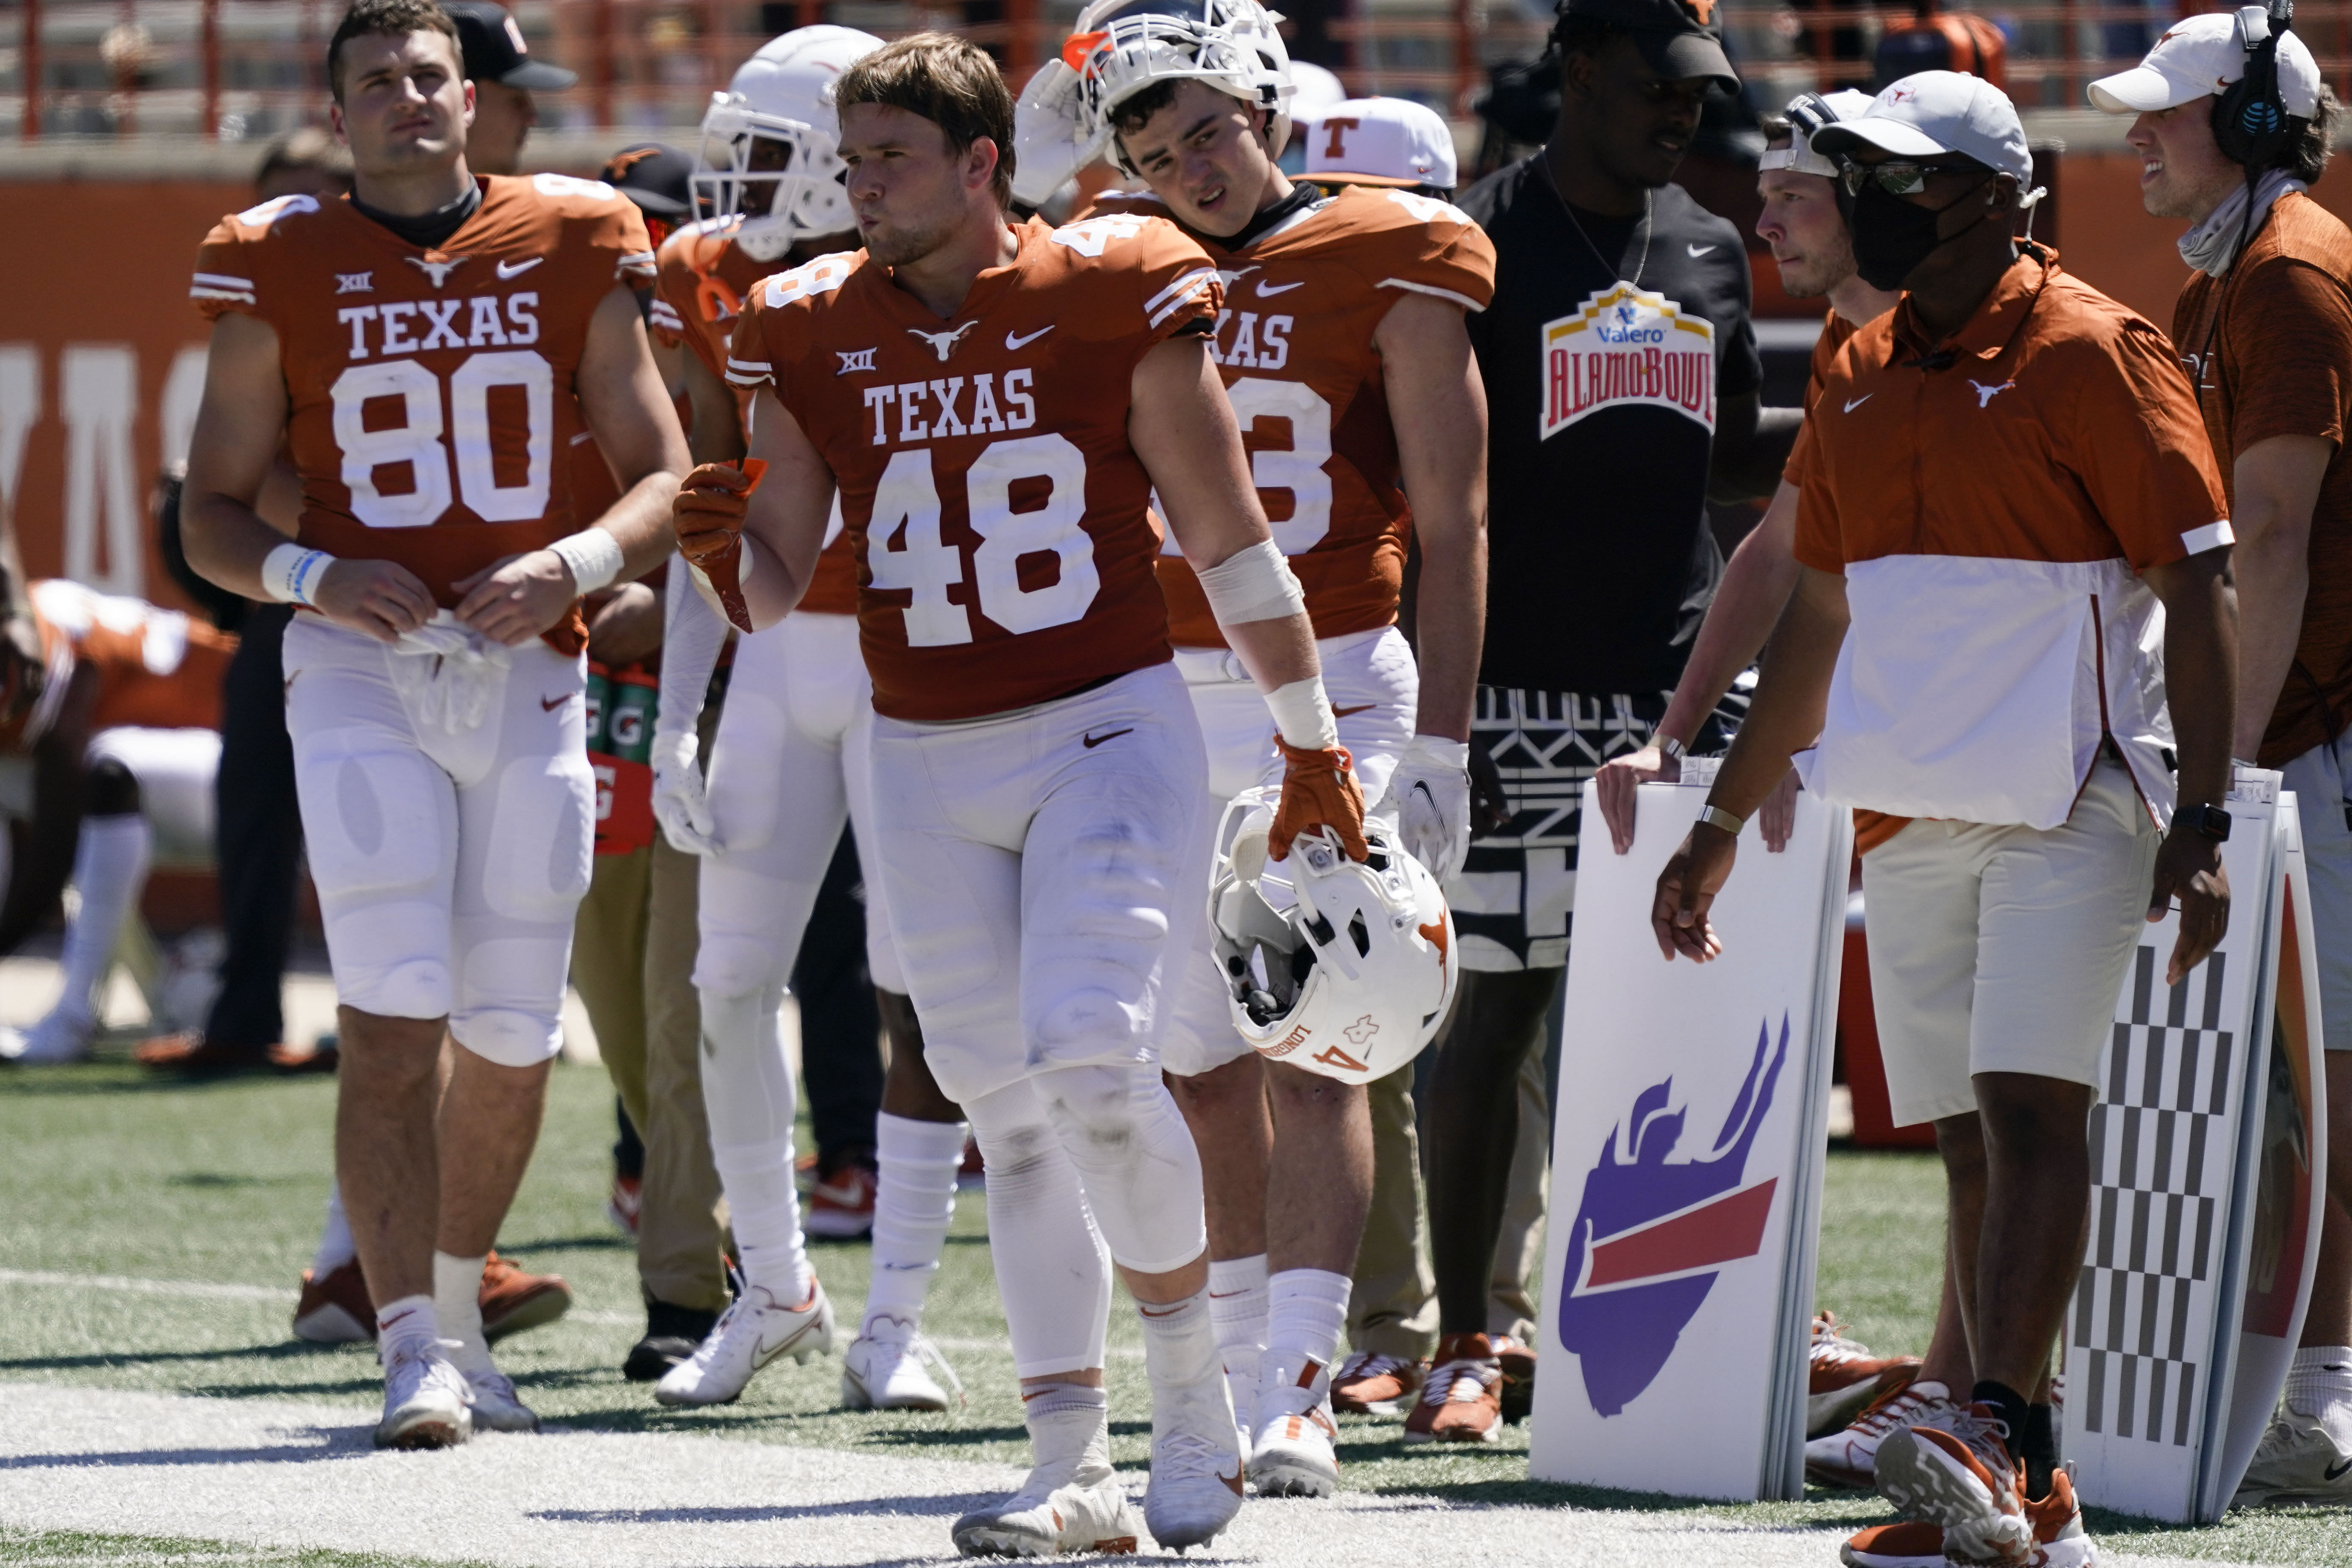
(671, 1335)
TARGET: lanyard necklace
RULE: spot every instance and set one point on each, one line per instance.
(1615, 267)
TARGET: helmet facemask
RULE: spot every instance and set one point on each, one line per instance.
(783, 176)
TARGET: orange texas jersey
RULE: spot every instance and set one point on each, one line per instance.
(704, 276)
(1001, 521)
(156, 668)
(431, 394)
(1295, 340)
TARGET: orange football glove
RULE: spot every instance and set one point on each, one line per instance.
(708, 517)
(1318, 790)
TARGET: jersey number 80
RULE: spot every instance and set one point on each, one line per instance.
(419, 440)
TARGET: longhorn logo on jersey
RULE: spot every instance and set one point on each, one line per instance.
(1627, 347)
(1652, 1234)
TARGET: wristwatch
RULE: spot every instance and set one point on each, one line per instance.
(2209, 820)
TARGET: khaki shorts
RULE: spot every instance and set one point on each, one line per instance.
(2324, 805)
(2002, 949)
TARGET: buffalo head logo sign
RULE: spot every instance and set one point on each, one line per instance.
(1652, 1233)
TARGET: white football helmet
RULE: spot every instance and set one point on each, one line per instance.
(1050, 138)
(782, 95)
(1122, 47)
(1342, 967)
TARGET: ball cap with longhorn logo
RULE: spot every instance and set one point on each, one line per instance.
(1682, 40)
(1935, 114)
(495, 49)
(2200, 57)
(1380, 142)
(654, 176)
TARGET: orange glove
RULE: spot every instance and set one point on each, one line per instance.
(1319, 789)
(708, 517)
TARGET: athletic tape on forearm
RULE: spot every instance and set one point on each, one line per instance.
(1303, 714)
(693, 633)
(291, 573)
(1252, 584)
(593, 555)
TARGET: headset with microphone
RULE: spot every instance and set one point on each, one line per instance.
(2249, 121)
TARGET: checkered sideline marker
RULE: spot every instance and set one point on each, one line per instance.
(2205, 1152)
(1686, 1167)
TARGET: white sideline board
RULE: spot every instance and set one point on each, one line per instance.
(2208, 1151)
(1686, 1165)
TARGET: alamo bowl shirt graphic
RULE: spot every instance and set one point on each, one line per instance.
(1610, 345)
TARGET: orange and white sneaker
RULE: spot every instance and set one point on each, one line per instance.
(1291, 1452)
(513, 1300)
(1961, 1479)
(1846, 1379)
(628, 1204)
(1850, 1458)
(2059, 1538)
(1370, 1383)
(334, 1308)
(1461, 1401)
(841, 1206)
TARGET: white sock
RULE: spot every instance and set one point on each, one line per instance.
(1068, 1422)
(914, 1201)
(407, 1324)
(1237, 1315)
(1180, 1344)
(336, 1246)
(764, 1208)
(110, 865)
(2319, 1384)
(751, 1099)
(1307, 1311)
(458, 1299)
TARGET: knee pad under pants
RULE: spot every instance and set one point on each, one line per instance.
(1051, 1267)
(1135, 1159)
(175, 770)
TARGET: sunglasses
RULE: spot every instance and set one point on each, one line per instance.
(1894, 179)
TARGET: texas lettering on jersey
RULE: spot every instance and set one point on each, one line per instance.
(999, 519)
(155, 667)
(1627, 347)
(430, 391)
(1295, 344)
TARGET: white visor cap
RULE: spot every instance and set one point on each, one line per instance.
(1808, 112)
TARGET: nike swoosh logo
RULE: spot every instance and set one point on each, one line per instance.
(517, 268)
(1094, 740)
(1698, 250)
(1860, 401)
(1359, 708)
(2336, 1472)
(1265, 288)
(1011, 343)
(549, 704)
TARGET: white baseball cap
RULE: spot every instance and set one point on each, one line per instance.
(1380, 142)
(2200, 57)
(1938, 112)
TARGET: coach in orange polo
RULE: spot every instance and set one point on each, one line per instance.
(2008, 505)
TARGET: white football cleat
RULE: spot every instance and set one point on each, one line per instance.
(890, 1369)
(426, 1403)
(1075, 1506)
(752, 1332)
(1291, 1453)
(2297, 1463)
(497, 1406)
(56, 1040)
(1197, 1463)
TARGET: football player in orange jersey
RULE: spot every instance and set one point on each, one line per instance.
(429, 346)
(994, 405)
(799, 705)
(1345, 356)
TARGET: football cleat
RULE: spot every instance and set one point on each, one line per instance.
(497, 1405)
(1291, 1452)
(55, 1041)
(1962, 1479)
(891, 1369)
(1846, 1379)
(1461, 1401)
(426, 1403)
(751, 1333)
(513, 1300)
(2059, 1538)
(1197, 1463)
(2298, 1463)
(1369, 1384)
(1850, 1459)
(841, 1206)
(1076, 1506)
(335, 1310)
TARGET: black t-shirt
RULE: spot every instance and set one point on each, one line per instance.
(1601, 406)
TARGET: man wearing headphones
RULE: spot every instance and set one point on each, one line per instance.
(2264, 328)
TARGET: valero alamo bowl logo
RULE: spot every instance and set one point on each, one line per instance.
(1627, 347)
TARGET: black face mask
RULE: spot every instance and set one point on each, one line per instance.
(1891, 236)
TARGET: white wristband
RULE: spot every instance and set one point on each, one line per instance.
(291, 573)
(1303, 714)
(1252, 584)
(593, 555)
